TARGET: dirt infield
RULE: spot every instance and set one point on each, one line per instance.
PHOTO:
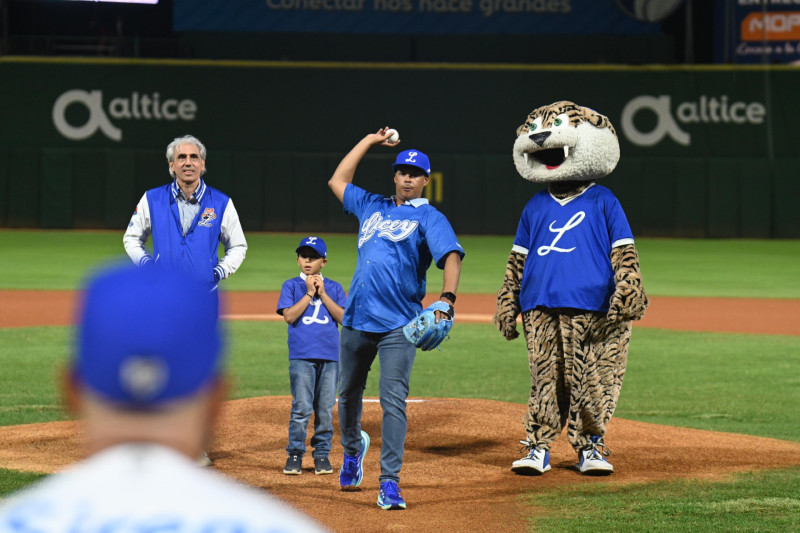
(456, 473)
(731, 315)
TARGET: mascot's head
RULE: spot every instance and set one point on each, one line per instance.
(565, 142)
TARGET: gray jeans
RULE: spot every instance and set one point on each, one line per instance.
(396, 357)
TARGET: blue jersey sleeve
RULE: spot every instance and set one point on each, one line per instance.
(356, 200)
(286, 299)
(618, 227)
(523, 237)
(441, 238)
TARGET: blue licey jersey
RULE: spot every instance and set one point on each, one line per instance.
(315, 335)
(196, 252)
(396, 245)
(568, 244)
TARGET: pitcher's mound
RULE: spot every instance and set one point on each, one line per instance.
(456, 472)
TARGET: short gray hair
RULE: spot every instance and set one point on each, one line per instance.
(186, 139)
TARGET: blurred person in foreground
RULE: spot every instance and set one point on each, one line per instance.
(147, 381)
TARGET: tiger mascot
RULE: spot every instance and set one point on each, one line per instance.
(573, 274)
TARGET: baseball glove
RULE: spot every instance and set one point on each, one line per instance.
(424, 332)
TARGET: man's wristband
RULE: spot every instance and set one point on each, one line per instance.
(449, 295)
(310, 296)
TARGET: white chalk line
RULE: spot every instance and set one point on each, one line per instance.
(466, 317)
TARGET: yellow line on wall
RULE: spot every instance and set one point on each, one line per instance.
(364, 65)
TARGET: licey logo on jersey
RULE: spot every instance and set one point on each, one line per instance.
(307, 320)
(207, 217)
(576, 219)
(394, 230)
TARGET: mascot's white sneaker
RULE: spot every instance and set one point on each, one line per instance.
(592, 459)
(535, 462)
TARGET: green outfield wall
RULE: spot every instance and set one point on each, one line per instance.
(706, 152)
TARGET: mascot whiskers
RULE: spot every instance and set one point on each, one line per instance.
(573, 274)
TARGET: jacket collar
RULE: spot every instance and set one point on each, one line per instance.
(416, 202)
(198, 194)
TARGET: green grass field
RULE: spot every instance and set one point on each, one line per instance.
(671, 267)
(724, 382)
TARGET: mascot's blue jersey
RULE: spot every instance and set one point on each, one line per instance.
(568, 244)
(395, 247)
(196, 252)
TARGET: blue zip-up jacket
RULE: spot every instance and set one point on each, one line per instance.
(196, 252)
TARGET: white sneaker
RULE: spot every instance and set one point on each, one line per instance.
(592, 460)
(535, 462)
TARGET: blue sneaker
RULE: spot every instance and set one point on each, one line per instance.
(389, 496)
(352, 470)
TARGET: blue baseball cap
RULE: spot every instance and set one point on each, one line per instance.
(413, 158)
(147, 336)
(315, 243)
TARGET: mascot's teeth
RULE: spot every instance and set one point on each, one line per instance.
(566, 152)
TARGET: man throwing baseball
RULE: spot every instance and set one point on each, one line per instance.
(399, 237)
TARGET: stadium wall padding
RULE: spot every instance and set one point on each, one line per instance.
(706, 152)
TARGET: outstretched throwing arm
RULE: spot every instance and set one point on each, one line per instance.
(343, 175)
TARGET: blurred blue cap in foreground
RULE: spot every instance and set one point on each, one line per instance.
(147, 336)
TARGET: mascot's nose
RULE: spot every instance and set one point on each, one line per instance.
(540, 138)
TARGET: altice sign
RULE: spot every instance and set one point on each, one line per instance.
(104, 118)
(671, 121)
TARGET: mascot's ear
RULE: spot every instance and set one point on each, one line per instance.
(596, 119)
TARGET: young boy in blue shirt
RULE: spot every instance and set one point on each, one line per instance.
(313, 307)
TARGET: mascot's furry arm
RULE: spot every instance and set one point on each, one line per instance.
(508, 296)
(629, 300)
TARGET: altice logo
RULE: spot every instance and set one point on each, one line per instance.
(137, 107)
(706, 109)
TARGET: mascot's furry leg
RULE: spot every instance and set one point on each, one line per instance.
(577, 359)
(596, 350)
(548, 402)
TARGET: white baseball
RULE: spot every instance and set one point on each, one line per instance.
(394, 137)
